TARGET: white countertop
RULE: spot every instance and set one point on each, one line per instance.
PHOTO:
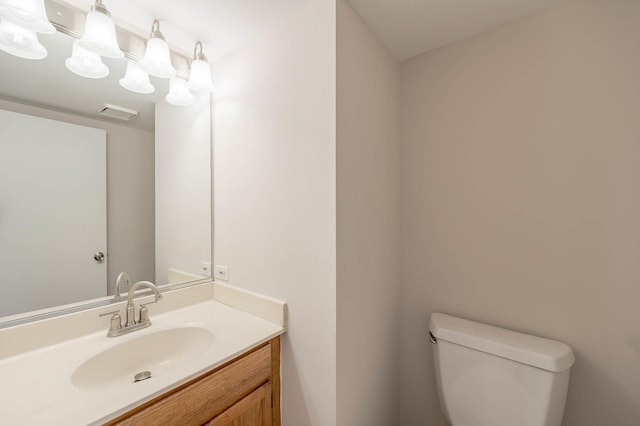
(36, 387)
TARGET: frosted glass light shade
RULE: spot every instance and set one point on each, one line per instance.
(29, 14)
(179, 93)
(100, 35)
(200, 76)
(86, 63)
(20, 42)
(136, 79)
(157, 59)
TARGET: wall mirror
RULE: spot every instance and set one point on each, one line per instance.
(85, 196)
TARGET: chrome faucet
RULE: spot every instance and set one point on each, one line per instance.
(117, 329)
(144, 312)
(122, 278)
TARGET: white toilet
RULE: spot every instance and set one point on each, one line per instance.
(489, 376)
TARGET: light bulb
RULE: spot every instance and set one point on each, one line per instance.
(20, 41)
(200, 75)
(157, 57)
(136, 79)
(179, 93)
(29, 14)
(86, 63)
(100, 33)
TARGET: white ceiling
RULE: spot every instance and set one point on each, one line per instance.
(411, 27)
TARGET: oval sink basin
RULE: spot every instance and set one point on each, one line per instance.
(158, 353)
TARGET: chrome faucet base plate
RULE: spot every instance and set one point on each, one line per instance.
(129, 329)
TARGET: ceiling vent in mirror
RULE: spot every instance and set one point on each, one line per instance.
(121, 113)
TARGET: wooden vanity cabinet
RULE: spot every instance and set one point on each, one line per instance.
(242, 392)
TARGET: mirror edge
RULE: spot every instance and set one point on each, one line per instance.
(57, 311)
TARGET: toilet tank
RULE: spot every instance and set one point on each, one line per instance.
(490, 376)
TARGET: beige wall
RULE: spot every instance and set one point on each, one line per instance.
(275, 193)
(368, 88)
(520, 163)
(130, 193)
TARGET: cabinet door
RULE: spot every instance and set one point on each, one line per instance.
(252, 410)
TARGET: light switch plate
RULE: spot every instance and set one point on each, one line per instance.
(221, 273)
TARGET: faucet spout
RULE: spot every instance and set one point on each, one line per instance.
(131, 307)
(139, 284)
(122, 278)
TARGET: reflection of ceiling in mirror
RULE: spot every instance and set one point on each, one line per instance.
(50, 84)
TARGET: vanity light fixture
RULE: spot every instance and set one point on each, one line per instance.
(157, 58)
(100, 32)
(136, 79)
(86, 63)
(20, 41)
(200, 75)
(28, 14)
(179, 93)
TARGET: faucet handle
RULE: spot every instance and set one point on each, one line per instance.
(144, 311)
(116, 320)
(114, 313)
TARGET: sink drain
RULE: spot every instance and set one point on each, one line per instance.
(143, 375)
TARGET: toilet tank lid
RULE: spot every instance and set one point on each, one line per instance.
(531, 350)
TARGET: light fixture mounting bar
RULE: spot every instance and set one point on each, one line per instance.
(69, 20)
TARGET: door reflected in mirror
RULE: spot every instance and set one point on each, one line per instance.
(84, 197)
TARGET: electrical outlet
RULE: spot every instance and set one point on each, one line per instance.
(221, 273)
(205, 268)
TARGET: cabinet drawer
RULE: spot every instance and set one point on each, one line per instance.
(252, 410)
(199, 401)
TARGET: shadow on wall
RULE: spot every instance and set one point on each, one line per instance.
(422, 376)
(589, 374)
(292, 389)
